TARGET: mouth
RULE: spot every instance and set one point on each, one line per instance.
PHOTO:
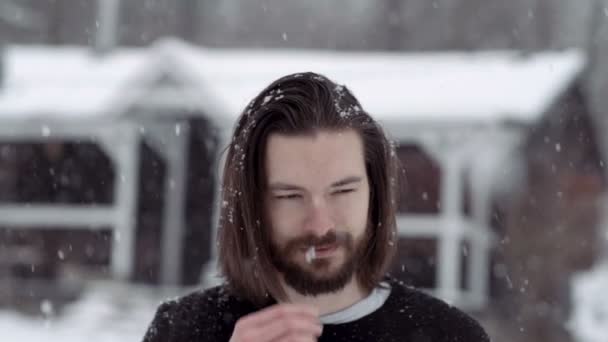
(321, 251)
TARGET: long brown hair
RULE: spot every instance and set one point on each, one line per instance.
(297, 104)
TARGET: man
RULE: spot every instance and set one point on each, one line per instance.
(307, 232)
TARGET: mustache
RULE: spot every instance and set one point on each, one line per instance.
(309, 240)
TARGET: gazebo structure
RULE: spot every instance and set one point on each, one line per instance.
(70, 94)
(464, 112)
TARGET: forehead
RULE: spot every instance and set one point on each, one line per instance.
(325, 156)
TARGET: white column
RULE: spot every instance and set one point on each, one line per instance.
(479, 269)
(482, 166)
(486, 161)
(124, 140)
(175, 203)
(450, 237)
(170, 140)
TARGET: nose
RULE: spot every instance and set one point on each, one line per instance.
(319, 220)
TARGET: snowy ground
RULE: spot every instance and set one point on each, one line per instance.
(589, 320)
(111, 311)
(106, 312)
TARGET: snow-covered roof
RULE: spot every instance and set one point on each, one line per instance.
(69, 82)
(484, 87)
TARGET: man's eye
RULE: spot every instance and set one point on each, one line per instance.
(343, 191)
(288, 196)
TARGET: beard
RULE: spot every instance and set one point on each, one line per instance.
(317, 276)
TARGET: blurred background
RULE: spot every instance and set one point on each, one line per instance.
(114, 114)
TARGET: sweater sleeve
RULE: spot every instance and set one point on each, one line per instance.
(461, 327)
(159, 329)
(437, 321)
(195, 317)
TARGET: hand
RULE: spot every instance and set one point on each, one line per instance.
(280, 322)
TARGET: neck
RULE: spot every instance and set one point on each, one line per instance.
(330, 302)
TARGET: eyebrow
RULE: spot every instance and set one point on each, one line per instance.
(286, 186)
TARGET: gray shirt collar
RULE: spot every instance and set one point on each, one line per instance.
(360, 309)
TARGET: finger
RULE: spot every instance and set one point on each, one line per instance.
(289, 327)
(297, 338)
(278, 311)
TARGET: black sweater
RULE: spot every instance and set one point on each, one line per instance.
(408, 315)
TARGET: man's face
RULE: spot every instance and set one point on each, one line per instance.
(317, 196)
